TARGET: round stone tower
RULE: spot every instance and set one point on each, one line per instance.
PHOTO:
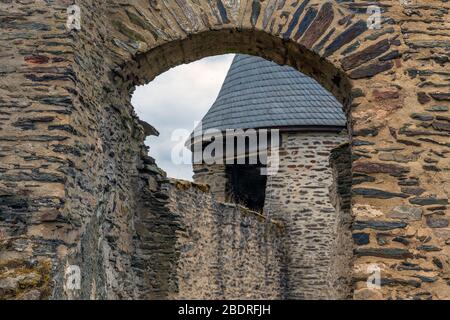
(266, 143)
(259, 94)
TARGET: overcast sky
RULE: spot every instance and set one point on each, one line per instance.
(176, 100)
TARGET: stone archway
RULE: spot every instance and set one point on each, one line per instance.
(71, 146)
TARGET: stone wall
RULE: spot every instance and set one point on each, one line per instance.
(192, 247)
(341, 250)
(299, 195)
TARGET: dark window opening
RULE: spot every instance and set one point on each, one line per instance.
(246, 185)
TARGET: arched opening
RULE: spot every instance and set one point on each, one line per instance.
(306, 197)
(146, 66)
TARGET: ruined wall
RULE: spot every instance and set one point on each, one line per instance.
(299, 195)
(226, 251)
(192, 247)
(340, 269)
(70, 156)
(53, 183)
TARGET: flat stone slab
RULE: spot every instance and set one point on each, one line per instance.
(406, 213)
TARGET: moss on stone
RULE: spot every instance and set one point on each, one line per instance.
(26, 278)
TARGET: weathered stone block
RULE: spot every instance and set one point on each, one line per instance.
(425, 201)
(379, 194)
(406, 213)
(361, 238)
(378, 225)
(437, 222)
(388, 253)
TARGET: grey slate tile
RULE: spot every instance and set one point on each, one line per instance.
(259, 93)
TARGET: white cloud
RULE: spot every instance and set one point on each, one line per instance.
(176, 100)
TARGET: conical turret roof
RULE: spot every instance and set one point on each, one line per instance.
(258, 93)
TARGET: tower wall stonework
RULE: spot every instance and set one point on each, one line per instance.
(71, 147)
(299, 195)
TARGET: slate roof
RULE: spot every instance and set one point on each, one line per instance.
(258, 93)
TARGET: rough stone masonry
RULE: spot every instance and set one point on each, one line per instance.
(74, 170)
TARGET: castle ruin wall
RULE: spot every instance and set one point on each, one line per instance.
(190, 246)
